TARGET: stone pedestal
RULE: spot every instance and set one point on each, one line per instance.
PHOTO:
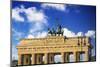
(46, 58)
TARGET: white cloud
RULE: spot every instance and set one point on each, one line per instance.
(68, 33)
(37, 35)
(42, 34)
(39, 20)
(80, 34)
(32, 14)
(30, 36)
(36, 17)
(60, 7)
(36, 27)
(90, 33)
(16, 15)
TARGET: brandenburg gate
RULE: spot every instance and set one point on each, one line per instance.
(34, 51)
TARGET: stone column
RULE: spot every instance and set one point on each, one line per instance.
(24, 60)
(46, 58)
(19, 59)
(66, 57)
(33, 59)
(63, 57)
(75, 57)
(78, 57)
(86, 56)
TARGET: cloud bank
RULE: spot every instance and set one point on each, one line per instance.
(69, 33)
(60, 7)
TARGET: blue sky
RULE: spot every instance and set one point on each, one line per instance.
(31, 20)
